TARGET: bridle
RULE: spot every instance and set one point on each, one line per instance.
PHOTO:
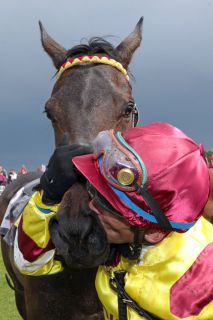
(135, 116)
(72, 62)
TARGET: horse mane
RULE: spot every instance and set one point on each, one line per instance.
(95, 46)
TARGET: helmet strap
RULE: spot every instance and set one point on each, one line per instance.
(155, 208)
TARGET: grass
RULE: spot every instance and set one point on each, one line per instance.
(8, 309)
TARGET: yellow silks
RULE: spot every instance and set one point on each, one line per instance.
(35, 222)
(94, 59)
(50, 268)
(36, 216)
(149, 284)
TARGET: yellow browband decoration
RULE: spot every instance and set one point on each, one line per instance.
(95, 59)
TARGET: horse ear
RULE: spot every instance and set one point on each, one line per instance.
(56, 52)
(128, 46)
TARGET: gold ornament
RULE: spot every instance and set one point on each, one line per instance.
(125, 176)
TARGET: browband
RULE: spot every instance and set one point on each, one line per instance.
(94, 59)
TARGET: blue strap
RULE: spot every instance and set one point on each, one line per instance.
(43, 210)
(146, 215)
(141, 212)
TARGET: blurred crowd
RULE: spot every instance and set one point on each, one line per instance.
(6, 177)
(209, 158)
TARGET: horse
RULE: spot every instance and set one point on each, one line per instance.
(86, 99)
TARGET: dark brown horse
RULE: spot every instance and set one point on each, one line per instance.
(85, 100)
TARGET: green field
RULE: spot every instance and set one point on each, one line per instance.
(7, 302)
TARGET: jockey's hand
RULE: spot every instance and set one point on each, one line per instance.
(61, 173)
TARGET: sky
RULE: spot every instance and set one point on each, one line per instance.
(173, 68)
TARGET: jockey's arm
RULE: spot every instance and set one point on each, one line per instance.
(34, 251)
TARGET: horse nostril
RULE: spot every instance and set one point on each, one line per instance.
(86, 212)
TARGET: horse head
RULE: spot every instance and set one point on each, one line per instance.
(91, 97)
(88, 98)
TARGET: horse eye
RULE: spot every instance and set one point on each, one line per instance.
(49, 116)
(129, 109)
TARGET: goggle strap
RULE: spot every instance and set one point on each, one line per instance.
(155, 208)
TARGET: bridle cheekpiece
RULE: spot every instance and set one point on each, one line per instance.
(94, 59)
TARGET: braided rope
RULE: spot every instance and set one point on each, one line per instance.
(95, 59)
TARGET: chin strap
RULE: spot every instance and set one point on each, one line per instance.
(132, 251)
(117, 284)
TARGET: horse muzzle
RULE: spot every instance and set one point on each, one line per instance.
(82, 242)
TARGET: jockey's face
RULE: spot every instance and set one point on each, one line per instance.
(117, 230)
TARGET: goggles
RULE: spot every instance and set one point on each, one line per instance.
(123, 169)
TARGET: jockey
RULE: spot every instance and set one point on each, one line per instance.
(157, 179)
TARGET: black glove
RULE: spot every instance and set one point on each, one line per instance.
(61, 173)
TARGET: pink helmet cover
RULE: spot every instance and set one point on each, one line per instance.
(178, 176)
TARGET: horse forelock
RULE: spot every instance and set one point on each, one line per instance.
(95, 46)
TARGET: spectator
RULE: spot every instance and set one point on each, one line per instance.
(3, 180)
(41, 168)
(11, 176)
(23, 170)
(211, 161)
